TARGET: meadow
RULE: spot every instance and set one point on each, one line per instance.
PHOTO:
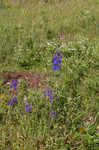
(49, 75)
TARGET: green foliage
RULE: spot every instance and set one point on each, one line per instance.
(29, 42)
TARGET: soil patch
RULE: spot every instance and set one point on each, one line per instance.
(33, 79)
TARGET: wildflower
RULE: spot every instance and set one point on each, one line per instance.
(51, 97)
(14, 84)
(13, 100)
(56, 61)
(48, 92)
(27, 107)
(54, 114)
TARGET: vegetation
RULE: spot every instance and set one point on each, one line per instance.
(64, 113)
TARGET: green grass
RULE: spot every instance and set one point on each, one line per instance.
(30, 31)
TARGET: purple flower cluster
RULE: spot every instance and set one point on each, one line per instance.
(56, 66)
(56, 61)
(53, 113)
(48, 92)
(27, 107)
(13, 100)
(14, 84)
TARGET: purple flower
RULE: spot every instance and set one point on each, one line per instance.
(56, 61)
(54, 58)
(14, 84)
(59, 59)
(27, 107)
(48, 92)
(13, 100)
(51, 97)
(54, 114)
(55, 67)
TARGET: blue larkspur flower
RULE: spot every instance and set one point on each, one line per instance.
(56, 61)
(27, 107)
(13, 100)
(51, 97)
(54, 114)
(14, 84)
(54, 58)
(48, 92)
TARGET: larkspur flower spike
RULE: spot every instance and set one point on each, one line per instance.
(27, 107)
(13, 100)
(48, 92)
(54, 114)
(56, 61)
(14, 84)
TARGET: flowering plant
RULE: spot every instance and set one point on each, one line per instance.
(56, 61)
(13, 100)
(14, 84)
